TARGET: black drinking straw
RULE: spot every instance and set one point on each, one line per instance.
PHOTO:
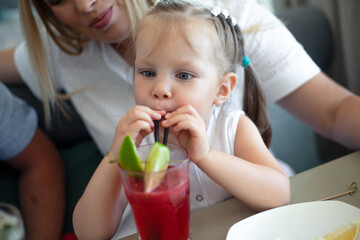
(156, 130)
(166, 133)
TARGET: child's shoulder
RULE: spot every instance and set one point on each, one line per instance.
(231, 114)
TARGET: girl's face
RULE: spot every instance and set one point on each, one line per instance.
(102, 20)
(175, 71)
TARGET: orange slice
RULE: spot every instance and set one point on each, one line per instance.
(349, 231)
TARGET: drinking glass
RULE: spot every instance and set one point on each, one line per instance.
(11, 224)
(164, 212)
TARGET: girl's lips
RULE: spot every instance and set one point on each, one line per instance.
(101, 21)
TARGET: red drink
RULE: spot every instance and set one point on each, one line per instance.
(163, 213)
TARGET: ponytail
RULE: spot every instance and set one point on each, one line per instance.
(254, 101)
(254, 104)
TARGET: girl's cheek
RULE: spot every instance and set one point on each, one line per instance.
(137, 91)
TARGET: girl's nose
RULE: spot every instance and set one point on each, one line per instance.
(162, 90)
(85, 6)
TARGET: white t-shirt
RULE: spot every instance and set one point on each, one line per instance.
(105, 75)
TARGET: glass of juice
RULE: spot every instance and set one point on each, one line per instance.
(164, 212)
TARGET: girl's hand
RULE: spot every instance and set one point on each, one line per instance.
(137, 123)
(189, 128)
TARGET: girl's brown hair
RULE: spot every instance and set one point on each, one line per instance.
(229, 53)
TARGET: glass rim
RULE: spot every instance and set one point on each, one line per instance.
(175, 163)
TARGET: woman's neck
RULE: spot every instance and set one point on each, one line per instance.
(126, 50)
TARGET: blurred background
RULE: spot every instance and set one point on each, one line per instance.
(10, 33)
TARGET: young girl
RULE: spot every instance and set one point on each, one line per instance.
(185, 64)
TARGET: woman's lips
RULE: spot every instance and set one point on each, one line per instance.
(101, 21)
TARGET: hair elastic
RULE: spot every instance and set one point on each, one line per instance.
(216, 11)
(225, 13)
(233, 21)
(245, 62)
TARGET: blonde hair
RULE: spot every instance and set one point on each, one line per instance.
(67, 39)
(229, 52)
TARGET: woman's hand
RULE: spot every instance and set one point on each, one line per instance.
(189, 128)
(137, 123)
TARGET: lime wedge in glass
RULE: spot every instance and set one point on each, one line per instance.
(129, 158)
(157, 161)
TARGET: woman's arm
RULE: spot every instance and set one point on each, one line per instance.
(8, 71)
(253, 174)
(328, 108)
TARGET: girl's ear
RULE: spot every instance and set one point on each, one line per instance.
(227, 84)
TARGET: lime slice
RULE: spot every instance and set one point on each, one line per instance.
(157, 161)
(129, 158)
(158, 158)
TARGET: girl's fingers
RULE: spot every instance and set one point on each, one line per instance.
(184, 113)
(139, 125)
(195, 128)
(137, 121)
(137, 130)
(141, 113)
(141, 110)
(185, 122)
(187, 109)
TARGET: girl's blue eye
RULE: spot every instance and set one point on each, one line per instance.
(149, 74)
(184, 76)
